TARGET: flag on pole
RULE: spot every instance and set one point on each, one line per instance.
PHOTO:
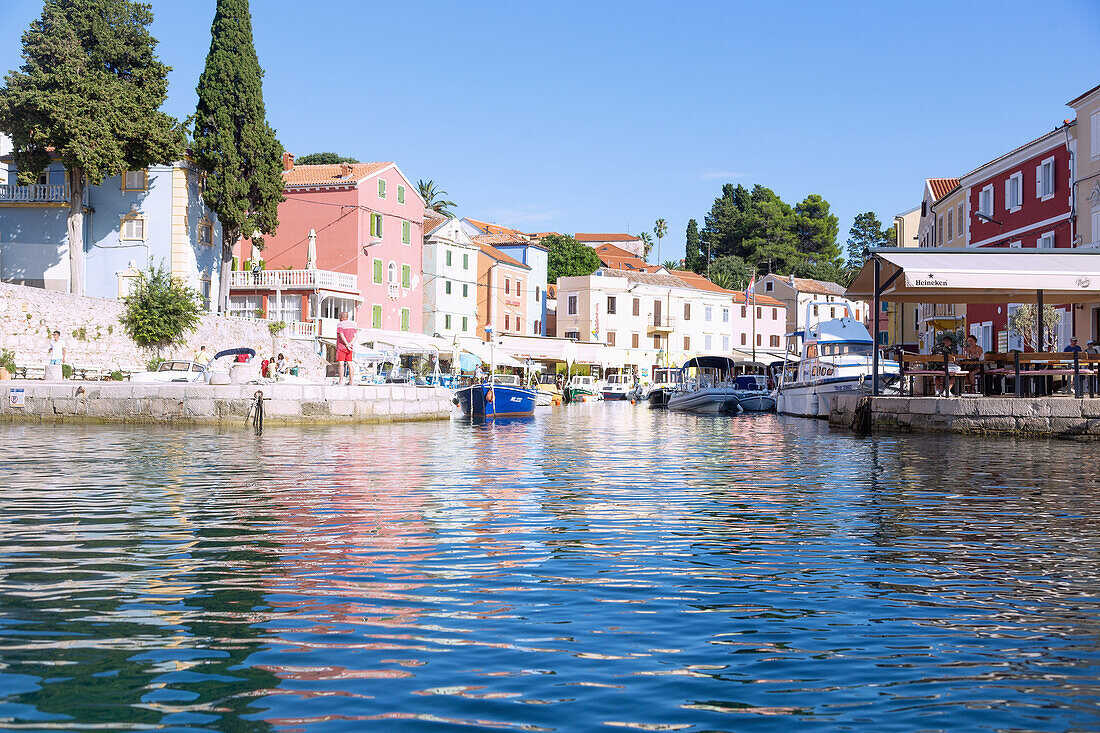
(750, 288)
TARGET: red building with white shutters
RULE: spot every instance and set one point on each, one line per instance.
(1021, 199)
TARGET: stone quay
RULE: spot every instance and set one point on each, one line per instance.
(203, 404)
(1020, 416)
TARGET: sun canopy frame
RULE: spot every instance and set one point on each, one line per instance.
(975, 275)
(978, 275)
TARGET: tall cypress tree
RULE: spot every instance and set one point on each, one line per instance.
(91, 88)
(693, 256)
(233, 142)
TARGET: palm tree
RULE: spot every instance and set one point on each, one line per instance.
(648, 242)
(724, 279)
(670, 265)
(434, 199)
(660, 228)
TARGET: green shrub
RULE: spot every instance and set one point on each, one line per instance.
(67, 371)
(154, 363)
(7, 359)
(161, 309)
(276, 327)
(116, 376)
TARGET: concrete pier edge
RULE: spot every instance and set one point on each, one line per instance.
(203, 404)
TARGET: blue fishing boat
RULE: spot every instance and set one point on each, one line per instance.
(499, 398)
(500, 395)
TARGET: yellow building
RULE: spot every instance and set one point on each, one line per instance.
(1086, 198)
(942, 224)
(902, 318)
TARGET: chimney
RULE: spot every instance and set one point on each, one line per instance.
(288, 161)
(345, 169)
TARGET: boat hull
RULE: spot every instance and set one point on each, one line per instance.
(658, 396)
(583, 395)
(756, 401)
(816, 400)
(613, 395)
(711, 400)
(498, 400)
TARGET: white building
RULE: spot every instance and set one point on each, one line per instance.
(664, 319)
(825, 300)
(450, 279)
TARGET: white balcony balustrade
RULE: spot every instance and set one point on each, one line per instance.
(294, 280)
(38, 193)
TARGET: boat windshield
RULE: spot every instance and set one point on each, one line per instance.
(508, 379)
(548, 378)
(846, 349)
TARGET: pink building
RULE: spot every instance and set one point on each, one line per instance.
(368, 221)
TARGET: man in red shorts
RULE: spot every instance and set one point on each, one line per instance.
(345, 342)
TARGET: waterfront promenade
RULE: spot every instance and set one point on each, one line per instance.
(199, 404)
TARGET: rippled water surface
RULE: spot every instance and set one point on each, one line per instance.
(599, 567)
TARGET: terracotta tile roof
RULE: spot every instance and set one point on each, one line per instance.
(499, 238)
(739, 297)
(1077, 99)
(495, 228)
(942, 186)
(698, 282)
(649, 278)
(336, 173)
(618, 258)
(490, 251)
(540, 235)
(432, 221)
(595, 237)
(820, 287)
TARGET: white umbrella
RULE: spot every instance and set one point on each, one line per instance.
(311, 251)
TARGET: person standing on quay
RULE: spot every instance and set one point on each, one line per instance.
(57, 350)
(345, 343)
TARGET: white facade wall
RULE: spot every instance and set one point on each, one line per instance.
(451, 313)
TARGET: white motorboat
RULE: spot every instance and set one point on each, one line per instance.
(706, 386)
(665, 382)
(836, 357)
(583, 388)
(616, 387)
(753, 393)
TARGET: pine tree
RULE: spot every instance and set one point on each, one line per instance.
(693, 256)
(866, 233)
(91, 88)
(233, 142)
(817, 230)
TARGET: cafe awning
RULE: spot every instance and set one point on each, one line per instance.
(985, 275)
(481, 350)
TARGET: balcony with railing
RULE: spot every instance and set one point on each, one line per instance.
(294, 280)
(940, 311)
(38, 193)
(660, 324)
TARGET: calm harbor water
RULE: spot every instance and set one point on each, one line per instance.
(599, 567)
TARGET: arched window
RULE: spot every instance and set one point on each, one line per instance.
(391, 273)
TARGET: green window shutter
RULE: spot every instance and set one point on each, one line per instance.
(447, 321)
(404, 319)
(447, 286)
(376, 317)
(465, 261)
(406, 276)
(448, 258)
(377, 271)
(463, 323)
(400, 194)
(406, 232)
(381, 188)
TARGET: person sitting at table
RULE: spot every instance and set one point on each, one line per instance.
(1092, 348)
(945, 347)
(972, 352)
(1073, 347)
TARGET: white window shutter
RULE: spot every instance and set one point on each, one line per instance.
(1039, 181)
(1008, 193)
(1053, 175)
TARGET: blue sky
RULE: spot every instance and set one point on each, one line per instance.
(605, 116)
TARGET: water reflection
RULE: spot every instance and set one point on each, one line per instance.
(600, 566)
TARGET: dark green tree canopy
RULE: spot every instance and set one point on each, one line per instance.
(731, 272)
(91, 87)
(323, 159)
(866, 233)
(766, 232)
(694, 259)
(233, 142)
(568, 258)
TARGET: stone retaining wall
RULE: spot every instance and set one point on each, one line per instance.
(94, 335)
(221, 404)
(1046, 416)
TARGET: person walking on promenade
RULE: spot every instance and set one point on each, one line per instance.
(345, 343)
(202, 357)
(57, 350)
